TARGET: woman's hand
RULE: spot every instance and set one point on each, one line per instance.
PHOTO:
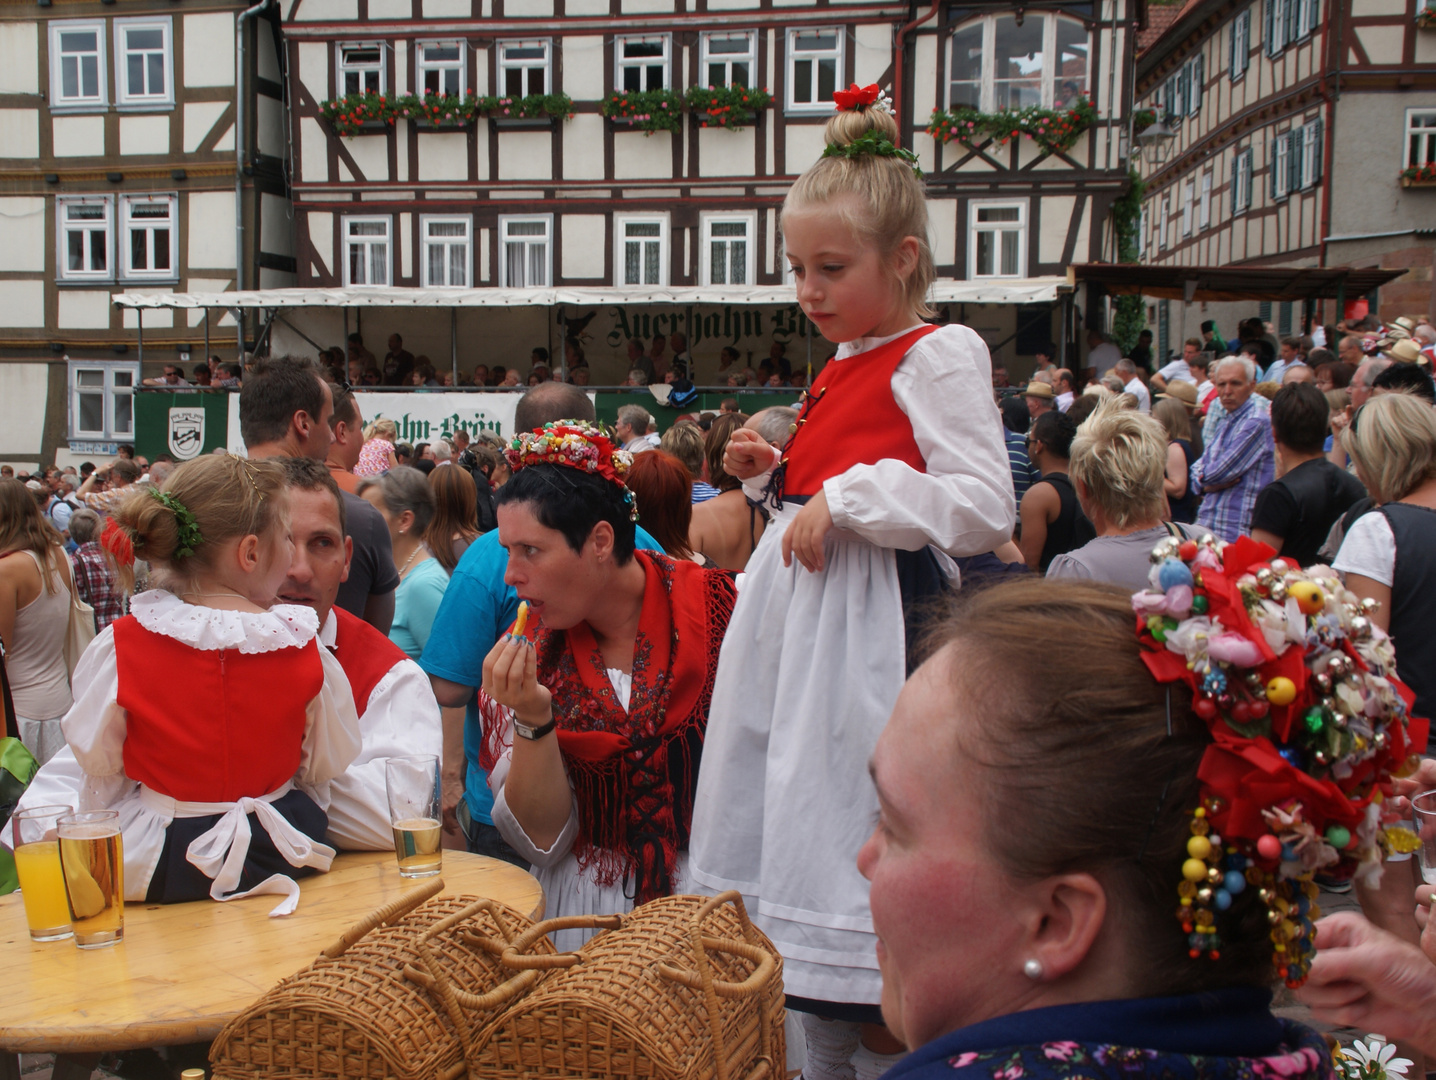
(805, 536)
(747, 454)
(511, 679)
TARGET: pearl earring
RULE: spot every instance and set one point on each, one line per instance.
(1032, 969)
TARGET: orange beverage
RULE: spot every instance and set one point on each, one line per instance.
(42, 888)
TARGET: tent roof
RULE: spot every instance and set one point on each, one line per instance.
(1013, 291)
(1218, 283)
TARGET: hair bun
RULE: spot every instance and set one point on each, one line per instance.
(847, 126)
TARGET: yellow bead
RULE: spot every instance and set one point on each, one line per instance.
(1308, 596)
(1199, 847)
(1194, 870)
(1281, 691)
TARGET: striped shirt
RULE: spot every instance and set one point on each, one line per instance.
(1241, 450)
(1024, 473)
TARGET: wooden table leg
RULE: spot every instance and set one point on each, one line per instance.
(74, 1066)
(9, 1065)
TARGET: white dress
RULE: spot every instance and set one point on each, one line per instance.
(95, 730)
(784, 800)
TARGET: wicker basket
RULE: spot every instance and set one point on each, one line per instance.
(385, 1000)
(686, 989)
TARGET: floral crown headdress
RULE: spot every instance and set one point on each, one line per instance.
(871, 143)
(575, 444)
(1309, 725)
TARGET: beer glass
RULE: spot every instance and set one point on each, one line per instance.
(413, 785)
(93, 862)
(37, 863)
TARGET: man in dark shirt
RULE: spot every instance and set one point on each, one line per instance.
(1295, 511)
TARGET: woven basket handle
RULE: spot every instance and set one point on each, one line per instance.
(751, 985)
(390, 912)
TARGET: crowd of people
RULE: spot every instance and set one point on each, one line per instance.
(965, 691)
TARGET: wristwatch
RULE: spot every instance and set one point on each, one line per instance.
(533, 734)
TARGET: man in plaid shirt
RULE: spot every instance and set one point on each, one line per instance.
(94, 576)
(1240, 459)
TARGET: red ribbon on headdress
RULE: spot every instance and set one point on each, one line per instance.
(116, 540)
(856, 97)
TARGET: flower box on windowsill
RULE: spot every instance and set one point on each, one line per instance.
(524, 123)
(464, 124)
(1414, 181)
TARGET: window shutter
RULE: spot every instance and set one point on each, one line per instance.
(1199, 74)
(1271, 169)
(1232, 48)
(1313, 13)
(1294, 159)
(1269, 21)
(1293, 20)
(1183, 82)
(1245, 56)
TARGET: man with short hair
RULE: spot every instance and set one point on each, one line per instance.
(1102, 355)
(1066, 388)
(1350, 350)
(682, 359)
(1000, 378)
(1238, 459)
(1127, 372)
(1295, 511)
(638, 360)
(631, 428)
(284, 410)
(347, 426)
(358, 352)
(398, 361)
(1298, 373)
(1141, 353)
(1289, 353)
(1181, 368)
(116, 477)
(173, 376)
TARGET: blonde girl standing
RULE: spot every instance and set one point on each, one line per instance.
(209, 705)
(896, 463)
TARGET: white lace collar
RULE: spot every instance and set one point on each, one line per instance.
(283, 626)
(863, 344)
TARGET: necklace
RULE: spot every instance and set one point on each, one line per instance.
(410, 559)
(225, 593)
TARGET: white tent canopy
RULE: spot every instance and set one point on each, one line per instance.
(1011, 291)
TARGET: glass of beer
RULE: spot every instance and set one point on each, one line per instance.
(413, 784)
(37, 863)
(93, 862)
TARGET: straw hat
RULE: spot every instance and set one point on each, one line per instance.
(1039, 390)
(1406, 351)
(1183, 391)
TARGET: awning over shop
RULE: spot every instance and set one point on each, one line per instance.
(1014, 291)
(1232, 283)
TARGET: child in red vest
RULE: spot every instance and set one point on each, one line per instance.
(211, 720)
(896, 464)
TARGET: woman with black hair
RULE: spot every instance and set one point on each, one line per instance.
(596, 702)
(1052, 519)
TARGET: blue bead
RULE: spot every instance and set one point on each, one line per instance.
(1235, 882)
(1303, 905)
(1236, 861)
(1173, 573)
(1222, 899)
(1287, 853)
(1291, 756)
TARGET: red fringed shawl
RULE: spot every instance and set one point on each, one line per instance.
(635, 773)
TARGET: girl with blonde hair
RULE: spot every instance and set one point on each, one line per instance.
(862, 528)
(377, 457)
(209, 704)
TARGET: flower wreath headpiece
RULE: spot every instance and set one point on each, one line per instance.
(871, 143)
(1308, 721)
(575, 444)
(121, 542)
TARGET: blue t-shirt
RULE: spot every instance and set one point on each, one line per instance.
(477, 608)
(416, 602)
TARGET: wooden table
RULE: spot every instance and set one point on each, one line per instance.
(184, 970)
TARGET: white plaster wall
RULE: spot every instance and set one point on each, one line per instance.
(529, 9)
(732, 5)
(406, 244)
(276, 230)
(590, 7)
(155, 319)
(78, 136)
(446, 9)
(313, 152)
(19, 133)
(1383, 43)
(872, 52)
(1362, 8)
(370, 153)
(22, 304)
(639, 156)
(199, 118)
(585, 239)
(1426, 48)
(19, 58)
(804, 146)
(727, 153)
(399, 75)
(211, 230)
(196, 317)
(314, 67)
(22, 233)
(209, 49)
(583, 147)
(24, 392)
(525, 155)
(321, 236)
(145, 134)
(443, 156)
(1056, 216)
(942, 230)
(80, 309)
(642, 7)
(391, 9)
(584, 75)
(1080, 249)
(327, 11)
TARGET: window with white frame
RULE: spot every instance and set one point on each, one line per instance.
(1420, 137)
(728, 243)
(642, 62)
(1242, 181)
(1288, 21)
(1188, 207)
(1308, 164)
(1241, 44)
(102, 399)
(361, 68)
(1204, 205)
(77, 64)
(526, 258)
(1163, 235)
(144, 62)
(85, 228)
(445, 258)
(367, 251)
(1001, 62)
(641, 257)
(1143, 225)
(815, 68)
(728, 59)
(524, 68)
(440, 66)
(1280, 178)
(1183, 93)
(149, 236)
(997, 238)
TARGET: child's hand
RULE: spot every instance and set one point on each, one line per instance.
(747, 454)
(511, 679)
(804, 537)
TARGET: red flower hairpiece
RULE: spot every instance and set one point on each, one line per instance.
(117, 541)
(857, 98)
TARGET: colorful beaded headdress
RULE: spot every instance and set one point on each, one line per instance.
(1308, 722)
(871, 143)
(575, 444)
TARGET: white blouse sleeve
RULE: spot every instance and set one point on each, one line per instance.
(504, 819)
(331, 733)
(95, 726)
(964, 503)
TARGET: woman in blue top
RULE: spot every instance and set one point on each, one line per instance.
(406, 501)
